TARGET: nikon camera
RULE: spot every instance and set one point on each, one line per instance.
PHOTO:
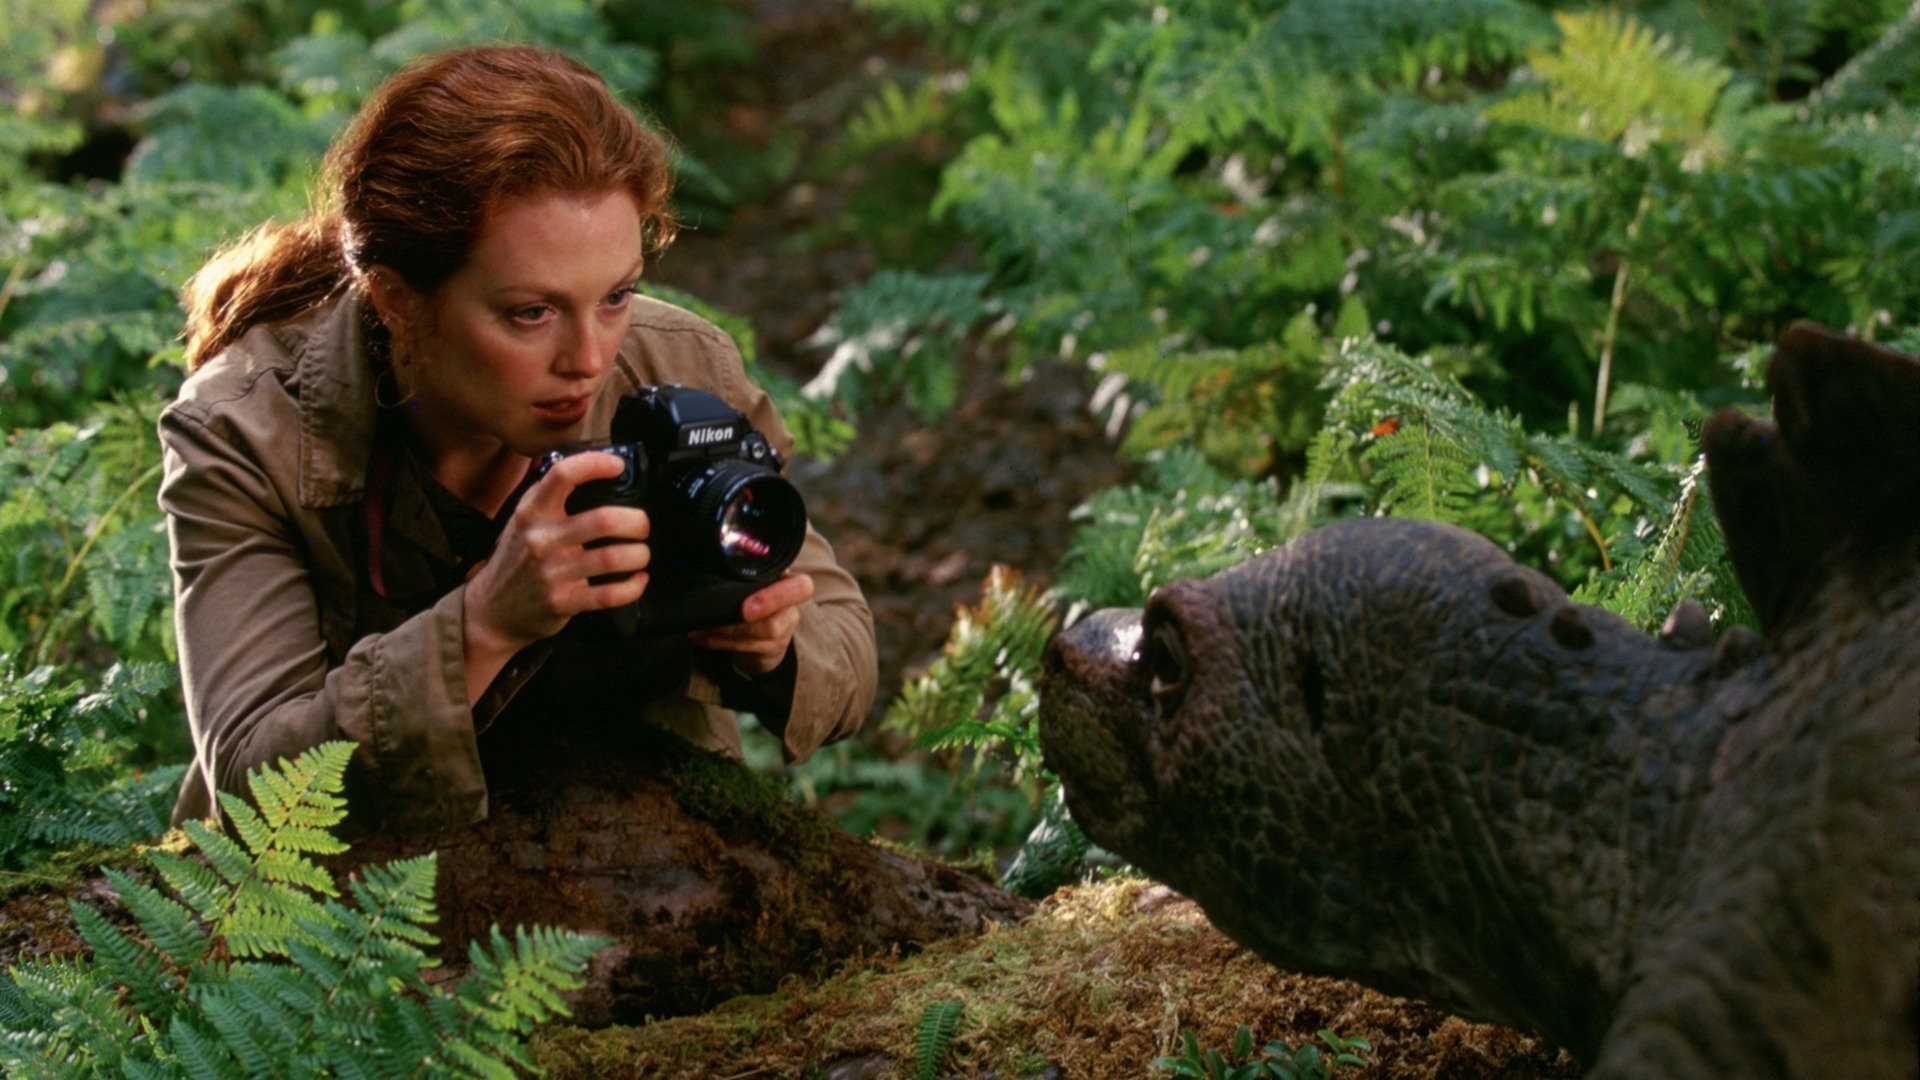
(725, 523)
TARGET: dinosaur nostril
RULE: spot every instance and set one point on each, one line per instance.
(1515, 596)
(1568, 629)
(1053, 660)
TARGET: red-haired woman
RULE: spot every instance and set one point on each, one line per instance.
(369, 388)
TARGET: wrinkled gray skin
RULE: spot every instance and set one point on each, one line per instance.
(1388, 753)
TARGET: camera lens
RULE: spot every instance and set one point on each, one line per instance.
(756, 518)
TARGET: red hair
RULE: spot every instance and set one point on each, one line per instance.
(409, 183)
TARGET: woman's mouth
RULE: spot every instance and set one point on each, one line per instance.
(563, 411)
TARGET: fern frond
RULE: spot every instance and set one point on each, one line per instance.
(198, 886)
(1886, 73)
(1688, 560)
(899, 329)
(1052, 855)
(939, 1021)
(200, 1054)
(230, 1008)
(894, 115)
(980, 693)
(167, 923)
(335, 989)
(296, 804)
(227, 858)
(518, 984)
(1612, 79)
(148, 984)
(1187, 519)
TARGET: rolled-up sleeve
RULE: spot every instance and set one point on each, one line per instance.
(254, 664)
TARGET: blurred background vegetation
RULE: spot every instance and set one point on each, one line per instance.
(1486, 261)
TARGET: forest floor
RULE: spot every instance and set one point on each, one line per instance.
(919, 512)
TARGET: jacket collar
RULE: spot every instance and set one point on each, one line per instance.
(335, 382)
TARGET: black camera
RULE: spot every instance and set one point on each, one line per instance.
(725, 523)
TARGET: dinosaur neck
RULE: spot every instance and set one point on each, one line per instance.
(1516, 807)
(1567, 795)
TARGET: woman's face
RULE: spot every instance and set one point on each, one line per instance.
(519, 339)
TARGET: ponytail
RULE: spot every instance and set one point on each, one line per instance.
(273, 273)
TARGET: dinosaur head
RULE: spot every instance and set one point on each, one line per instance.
(1335, 746)
(1387, 752)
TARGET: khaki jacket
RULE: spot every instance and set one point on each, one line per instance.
(285, 643)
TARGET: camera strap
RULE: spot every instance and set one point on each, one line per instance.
(379, 482)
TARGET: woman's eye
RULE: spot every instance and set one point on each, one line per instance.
(529, 314)
(618, 297)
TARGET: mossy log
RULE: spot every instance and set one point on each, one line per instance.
(710, 882)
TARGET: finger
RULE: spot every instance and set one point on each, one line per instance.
(609, 522)
(610, 595)
(777, 629)
(551, 492)
(621, 558)
(789, 592)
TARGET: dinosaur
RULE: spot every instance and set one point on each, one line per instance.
(1387, 752)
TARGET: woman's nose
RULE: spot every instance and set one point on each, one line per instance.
(583, 355)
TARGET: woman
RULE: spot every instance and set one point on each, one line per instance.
(369, 389)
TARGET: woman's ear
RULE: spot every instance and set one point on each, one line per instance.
(400, 306)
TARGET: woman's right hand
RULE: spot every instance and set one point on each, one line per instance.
(536, 578)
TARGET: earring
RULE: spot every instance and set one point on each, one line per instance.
(399, 398)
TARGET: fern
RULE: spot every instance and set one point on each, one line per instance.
(1612, 79)
(1188, 519)
(1244, 410)
(980, 693)
(1053, 854)
(1886, 73)
(256, 967)
(934, 1036)
(61, 749)
(899, 330)
(1421, 445)
(1687, 560)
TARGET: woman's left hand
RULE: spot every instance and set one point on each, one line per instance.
(758, 644)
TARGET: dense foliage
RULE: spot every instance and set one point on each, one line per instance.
(1486, 261)
(251, 965)
(1482, 261)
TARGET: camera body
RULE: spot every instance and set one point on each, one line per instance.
(725, 524)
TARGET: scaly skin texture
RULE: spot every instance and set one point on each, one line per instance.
(1386, 752)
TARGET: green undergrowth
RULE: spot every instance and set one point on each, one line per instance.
(252, 961)
(66, 870)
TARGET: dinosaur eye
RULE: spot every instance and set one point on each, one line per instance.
(1168, 663)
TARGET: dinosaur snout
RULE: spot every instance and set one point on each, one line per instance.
(1091, 689)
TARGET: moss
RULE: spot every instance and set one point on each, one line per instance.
(1099, 982)
(742, 803)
